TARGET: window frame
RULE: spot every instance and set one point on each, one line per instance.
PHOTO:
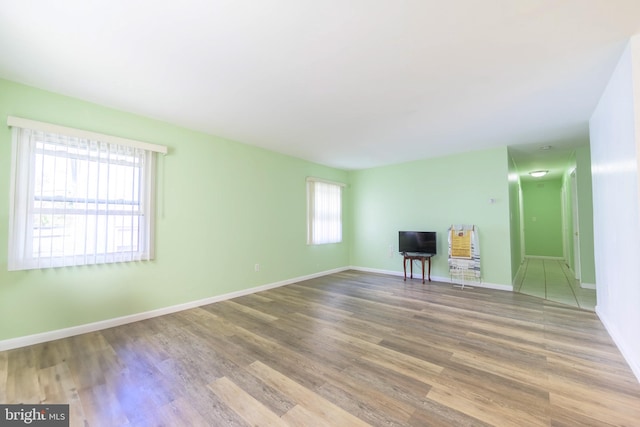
(312, 236)
(23, 206)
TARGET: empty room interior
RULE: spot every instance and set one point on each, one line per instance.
(235, 213)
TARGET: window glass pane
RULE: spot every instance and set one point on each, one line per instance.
(325, 212)
(86, 201)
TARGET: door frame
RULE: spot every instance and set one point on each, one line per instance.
(576, 226)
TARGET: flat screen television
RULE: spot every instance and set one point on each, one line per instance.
(423, 242)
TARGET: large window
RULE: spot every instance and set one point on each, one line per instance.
(324, 211)
(79, 198)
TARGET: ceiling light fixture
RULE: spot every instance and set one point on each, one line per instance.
(545, 147)
(538, 174)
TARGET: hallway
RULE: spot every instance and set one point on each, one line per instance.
(551, 279)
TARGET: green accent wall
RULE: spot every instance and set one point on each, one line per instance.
(222, 208)
(430, 195)
(542, 213)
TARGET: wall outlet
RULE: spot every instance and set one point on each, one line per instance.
(256, 267)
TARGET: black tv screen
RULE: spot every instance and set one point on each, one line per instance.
(423, 242)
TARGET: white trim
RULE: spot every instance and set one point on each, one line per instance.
(555, 258)
(436, 279)
(24, 341)
(620, 343)
(11, 259)
(487, 285)
(85, 134)
(377, 270)
(588, 285)
(326, 181)
(517, 277)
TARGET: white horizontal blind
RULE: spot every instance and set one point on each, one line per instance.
(324, 208)
(78, 201)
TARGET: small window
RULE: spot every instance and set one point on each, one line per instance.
(324, 209)
(79, 200)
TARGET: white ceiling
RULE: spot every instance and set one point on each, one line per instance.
(346, 83)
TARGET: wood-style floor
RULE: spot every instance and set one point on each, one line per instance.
(350, 349)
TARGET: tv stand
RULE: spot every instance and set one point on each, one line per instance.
(415, 256)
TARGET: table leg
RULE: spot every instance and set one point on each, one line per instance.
(423, 271)
(404, 265)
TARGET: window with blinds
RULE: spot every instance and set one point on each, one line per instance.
(79, 200)
(324, 212)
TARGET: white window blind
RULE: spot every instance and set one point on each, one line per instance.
(324, 210)
(78, 197)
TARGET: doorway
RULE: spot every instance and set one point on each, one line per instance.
(551, 243)
(575, 223)
(553, 234)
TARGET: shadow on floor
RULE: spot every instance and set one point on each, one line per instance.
(553, 280)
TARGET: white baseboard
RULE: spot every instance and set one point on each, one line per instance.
(588, 285)
(555, 258)
(620, 343)
(518, 275)
(117, 321)
(377, 270)
(435, 278)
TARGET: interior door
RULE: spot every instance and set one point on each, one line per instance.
(576, 235)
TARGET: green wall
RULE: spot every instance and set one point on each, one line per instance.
(430, 195)
(542, 213)
(222, 208)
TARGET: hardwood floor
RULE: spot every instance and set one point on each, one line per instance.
(350, 349)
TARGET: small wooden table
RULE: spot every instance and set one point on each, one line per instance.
(408, 256)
